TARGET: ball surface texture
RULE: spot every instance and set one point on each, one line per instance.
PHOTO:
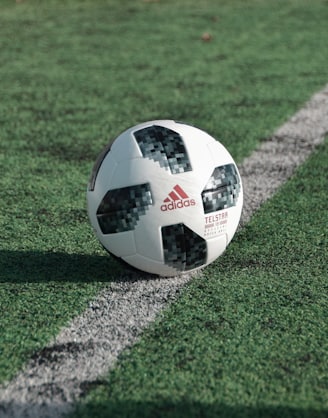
(165, 197)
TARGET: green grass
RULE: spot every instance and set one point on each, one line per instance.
(248, 338)
(74, 74)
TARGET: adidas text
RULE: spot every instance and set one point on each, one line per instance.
(178, 204)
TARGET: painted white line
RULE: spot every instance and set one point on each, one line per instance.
(89, 346)
(275, 161)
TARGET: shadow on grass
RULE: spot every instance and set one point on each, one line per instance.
(189, 409)
(39, 267)
(160, 409)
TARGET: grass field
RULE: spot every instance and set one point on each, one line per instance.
(249, 337)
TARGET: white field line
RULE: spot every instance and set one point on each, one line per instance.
(87, 348)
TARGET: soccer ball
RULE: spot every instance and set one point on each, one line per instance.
(165, 197)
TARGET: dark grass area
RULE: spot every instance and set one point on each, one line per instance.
(249, 336)
(185, 408)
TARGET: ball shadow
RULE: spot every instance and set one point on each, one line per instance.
(40, 267)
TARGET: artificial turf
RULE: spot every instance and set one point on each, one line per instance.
(74, 74)
(248, 338)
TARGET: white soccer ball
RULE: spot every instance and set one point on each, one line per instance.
(165, 197)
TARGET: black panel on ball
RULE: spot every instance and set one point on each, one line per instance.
(164, 146)
(183, 248)
(222, 189)
(120, 209)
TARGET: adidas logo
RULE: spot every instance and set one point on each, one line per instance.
(177, 199)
